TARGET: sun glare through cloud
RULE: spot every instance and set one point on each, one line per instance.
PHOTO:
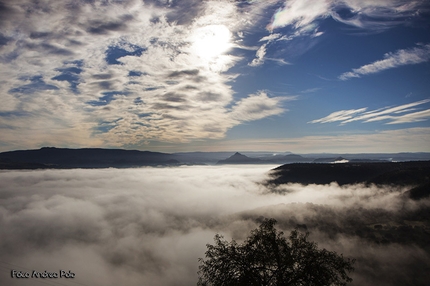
(210, 42)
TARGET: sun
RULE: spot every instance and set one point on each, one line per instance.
(210, 42)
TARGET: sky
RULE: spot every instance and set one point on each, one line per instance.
(348, 76)
(149, 226)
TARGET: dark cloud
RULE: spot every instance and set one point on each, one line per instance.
(174, 97)
(190, 87)
(105, 85)
(182, 12)
(165, 106)
(39, 35)
(6, 12)
(184, 73)
(102, 76)
(99, 27)
(209, 96)
(56, 50)
(49, 48)
(75, 42)
(3, 40)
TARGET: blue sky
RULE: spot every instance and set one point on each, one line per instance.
(163, 75)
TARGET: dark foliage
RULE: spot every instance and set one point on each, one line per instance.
(266, 257)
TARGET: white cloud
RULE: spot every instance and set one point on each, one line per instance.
(271, 37)
(339, 116)
(258, 106)
(386, 113)
(259, 56)
(303, 15)
(176, 94)
(392, 60)
(412, 117)
(311, 90)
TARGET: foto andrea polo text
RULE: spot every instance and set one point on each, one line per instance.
(42, 274)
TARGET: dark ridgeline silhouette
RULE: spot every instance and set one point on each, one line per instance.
(50, 157)
(239, 158)
(415, 174)
(266, 257)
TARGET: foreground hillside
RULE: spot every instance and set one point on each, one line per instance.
(415, 174)
(408, 181)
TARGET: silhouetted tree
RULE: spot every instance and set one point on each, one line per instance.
(266, 257)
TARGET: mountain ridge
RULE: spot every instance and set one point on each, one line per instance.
(53, 157)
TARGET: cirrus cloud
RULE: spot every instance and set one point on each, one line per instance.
(408, 114)
(392, 60)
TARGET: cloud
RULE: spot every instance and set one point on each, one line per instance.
(407, 140)
(299, 13)
(387, 113)
(149, 225)
(259, 56)
(339, 116)
(376, 15)
(299, 20)
(258, 106)
(271, 37)
(392, 60)
(411, 117)
(77, 67)
(311, 90)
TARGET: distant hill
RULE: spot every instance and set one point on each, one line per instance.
(290, 158)
(238, 158)
(50, 157)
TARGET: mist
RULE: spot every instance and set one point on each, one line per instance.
(149, 226)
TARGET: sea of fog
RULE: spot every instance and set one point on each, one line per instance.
(149, 226)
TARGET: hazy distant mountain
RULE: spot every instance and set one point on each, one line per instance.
(201, 157)
(290, 158)
(50, 157)
(238, 158)
(392, 157)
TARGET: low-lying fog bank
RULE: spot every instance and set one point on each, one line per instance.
(149, 226)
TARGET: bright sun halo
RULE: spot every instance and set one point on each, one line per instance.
(210, 42)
